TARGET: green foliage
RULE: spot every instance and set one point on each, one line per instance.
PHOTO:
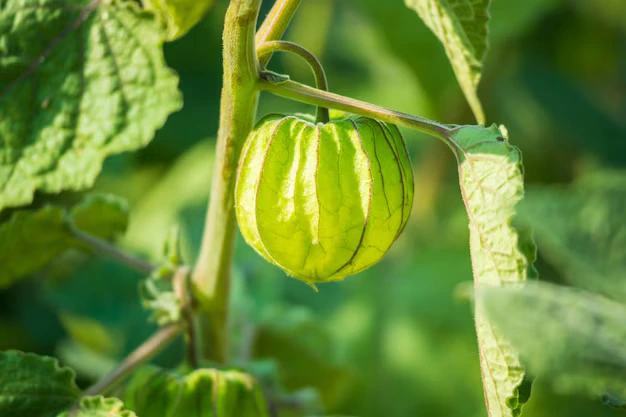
(509, 20)
(158, 297)
(461, 25)
(101, 312)
(22, 235)
(571, 337)
(581, 231)
(89, 333)
(179, 16)
(613, 401)
(31, 239)
(33, 386)
(76, 85)
(303, 353)
(158, 291)
(394, 342)
(154, 392)
(491, 179)
(579, 348)
(102, 215)
(162, 204)
(98, 407)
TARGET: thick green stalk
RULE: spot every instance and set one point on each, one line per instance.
(211, 276)
(305, 94)
(275, 24)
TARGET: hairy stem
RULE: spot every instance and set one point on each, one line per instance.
(305, 94)
(104, 248)
(275, 24)
(142, 354)
(180, 282)
(211, 276)
(318, 70)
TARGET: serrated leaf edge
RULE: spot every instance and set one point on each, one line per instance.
(460, 153)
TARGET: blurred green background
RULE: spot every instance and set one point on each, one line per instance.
(398, 339)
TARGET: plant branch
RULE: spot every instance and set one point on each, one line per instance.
(275, 24)
(303, 93)
(211, 275)
(321, 82)
(180, 282)
(104, 248)
(142, 354)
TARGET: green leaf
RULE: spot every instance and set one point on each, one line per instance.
(90, 333)
(87, 362)
(98, 407)
(31, 239)
(103, 215)
(179, 16)
(580, 229)
(573, 338)
(154, 392)
(461, 25)
(491, 180)
(33, 386)
(79, 80)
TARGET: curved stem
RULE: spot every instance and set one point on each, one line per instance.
(275, 24)
(321, 82)
(305, 94)
(142, 354)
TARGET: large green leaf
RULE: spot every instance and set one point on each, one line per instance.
(461, 25)
(179, 16)
(34, 386)
(79, 80)
(154, 392)
(98, 407)
(31, 239)
(573, 338)
(581, 230)
(491, 180)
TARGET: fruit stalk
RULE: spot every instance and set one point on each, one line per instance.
(268, 48)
